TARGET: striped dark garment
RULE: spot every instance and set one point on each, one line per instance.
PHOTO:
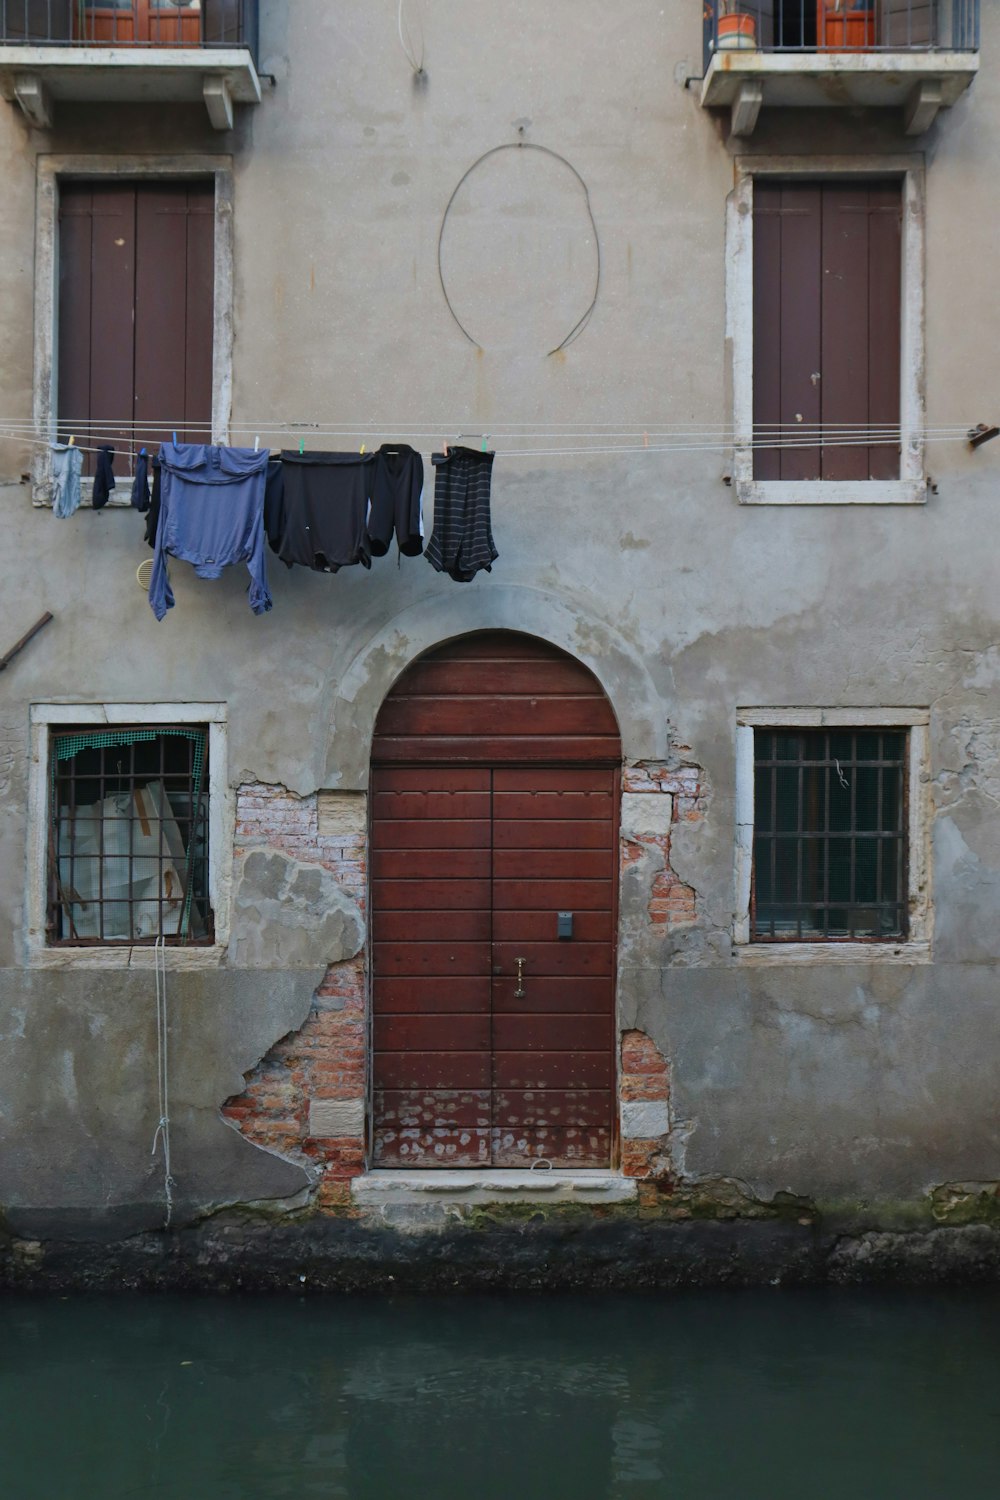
(462, 540)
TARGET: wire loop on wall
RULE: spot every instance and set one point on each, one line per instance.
(582, 322)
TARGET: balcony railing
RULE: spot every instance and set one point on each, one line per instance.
(840, 26)
(130, 23)
(919, 56)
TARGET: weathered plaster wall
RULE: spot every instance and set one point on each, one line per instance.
(834, 1081)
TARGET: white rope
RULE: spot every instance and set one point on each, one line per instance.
(573, 446)
(116, 426)
(416, 63)
(162, 1132)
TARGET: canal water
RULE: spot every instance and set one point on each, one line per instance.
(716, 1395)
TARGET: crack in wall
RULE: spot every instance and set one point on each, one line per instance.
(311, 1084)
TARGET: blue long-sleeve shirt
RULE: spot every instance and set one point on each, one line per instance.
(211, 515)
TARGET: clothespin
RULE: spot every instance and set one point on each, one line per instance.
(645, 440)
(72, 439)
(362, 448)
(444, 447)
(485, 436)
(302, 445)
(175, 438)
(256, 443)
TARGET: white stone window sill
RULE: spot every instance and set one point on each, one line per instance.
(832, 492)
(491, 1185)
(779, 955)
(175, 959)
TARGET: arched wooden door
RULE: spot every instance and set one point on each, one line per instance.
(495, 785)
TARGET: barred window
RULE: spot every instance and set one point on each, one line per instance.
(830, 848)
(128, 835)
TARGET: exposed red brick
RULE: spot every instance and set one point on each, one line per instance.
(640, 1054)
(326, 1059)
(636, 1158)
(638, 1086)
(334, 1195)
(644, 1076)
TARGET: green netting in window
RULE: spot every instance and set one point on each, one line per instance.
(67, 745)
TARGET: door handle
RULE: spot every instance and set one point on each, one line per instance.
(519, 991)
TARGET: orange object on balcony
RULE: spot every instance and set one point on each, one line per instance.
(737, 31)
(140, 23)
(841, 30)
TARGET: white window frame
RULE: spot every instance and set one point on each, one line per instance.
(911, 487)
(46, 717)
(916, 946)
(55, 169)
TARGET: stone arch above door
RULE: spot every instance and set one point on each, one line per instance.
(358, 691)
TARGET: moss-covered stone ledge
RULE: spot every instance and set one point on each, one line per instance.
(515, 1246)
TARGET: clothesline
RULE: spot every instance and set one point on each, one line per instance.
(444, 434)
(801, 438)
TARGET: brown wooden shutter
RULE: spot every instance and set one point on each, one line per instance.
(136, 268)
(827, 275)
(173, 307)
(96, 314)
(787, 331)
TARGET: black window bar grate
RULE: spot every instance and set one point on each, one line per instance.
(128, 836)
(830, 849)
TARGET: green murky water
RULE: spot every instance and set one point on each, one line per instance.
(741, 1395)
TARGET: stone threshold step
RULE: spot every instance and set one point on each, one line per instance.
(493, 1186)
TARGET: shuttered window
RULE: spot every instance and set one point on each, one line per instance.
(827, 263)
(136, 278)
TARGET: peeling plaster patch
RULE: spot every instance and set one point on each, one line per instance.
(8, 760)
(965, 926)
(966, 1203)
(646, 838)
(289, 914)
(303, 863)
(312, 1083)
(725, 1198)
(976, 763)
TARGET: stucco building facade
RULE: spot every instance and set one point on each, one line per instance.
(797, 1063)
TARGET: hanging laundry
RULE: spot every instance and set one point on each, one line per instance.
(324, 510)
(462, 539)
(67, 466)
(397, 501)
(140, 484)
(153, 513)
(104, 479)
(274, 503)
(211, 515)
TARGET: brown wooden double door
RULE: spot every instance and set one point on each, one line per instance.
(129, 23)
(493, 1035)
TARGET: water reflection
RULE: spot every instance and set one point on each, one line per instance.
(715, 1394)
